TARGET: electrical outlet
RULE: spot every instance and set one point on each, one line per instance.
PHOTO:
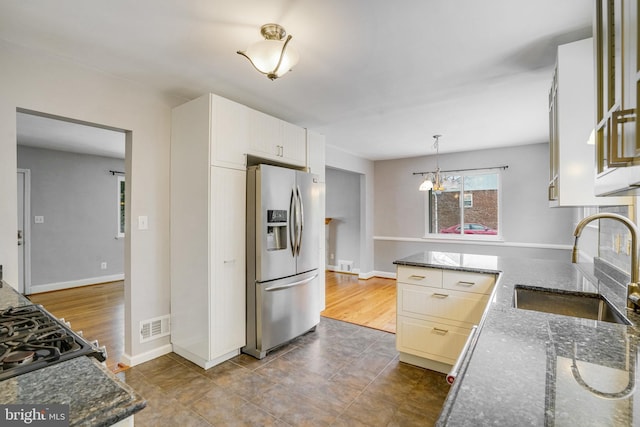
(332, 256)
(103, 266)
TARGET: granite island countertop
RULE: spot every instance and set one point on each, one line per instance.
(532, 368)
(95, 396)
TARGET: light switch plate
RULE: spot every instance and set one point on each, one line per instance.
(38, 219)
(143, 222)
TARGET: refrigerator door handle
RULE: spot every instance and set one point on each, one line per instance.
(292, 222)
(301, 222)
(291, 285)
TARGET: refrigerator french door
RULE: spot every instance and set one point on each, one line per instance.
(283, 232)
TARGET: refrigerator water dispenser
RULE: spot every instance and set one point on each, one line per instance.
(276, 230)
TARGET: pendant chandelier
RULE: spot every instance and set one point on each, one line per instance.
(434, 181)
(272, 56)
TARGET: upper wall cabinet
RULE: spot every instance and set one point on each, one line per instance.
(218, 130)
(571, 113)
(229, 133)
(235, 130)
(275, 139)
(617, 76)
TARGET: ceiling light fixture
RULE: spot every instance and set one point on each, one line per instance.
(434, 181)
(272, 56)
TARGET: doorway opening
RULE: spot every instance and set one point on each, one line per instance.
(71, 201)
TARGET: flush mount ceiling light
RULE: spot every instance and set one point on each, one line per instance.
(433, 181)
(272, 56)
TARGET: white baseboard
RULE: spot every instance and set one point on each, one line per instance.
(384, 274)
(337, 269)
(47, 287)
(145, 357)
(363, 276)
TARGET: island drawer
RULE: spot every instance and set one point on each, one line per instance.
(431, 340)
(468, 282)
(423, 302)
(420, 276)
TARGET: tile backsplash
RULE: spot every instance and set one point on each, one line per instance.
(615, 239)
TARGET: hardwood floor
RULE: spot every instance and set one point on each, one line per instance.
(98, 310)
(369, 302)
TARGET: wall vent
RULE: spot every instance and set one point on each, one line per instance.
(155, 328)
(345, 265)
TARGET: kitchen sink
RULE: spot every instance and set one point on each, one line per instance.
(567, 303)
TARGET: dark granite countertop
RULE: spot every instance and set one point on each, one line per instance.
(95, 396)
(533, 368)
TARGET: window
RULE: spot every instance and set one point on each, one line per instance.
(468, 205)
(121, 222)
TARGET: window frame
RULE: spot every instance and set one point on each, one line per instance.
(120, 218)
(462, 191)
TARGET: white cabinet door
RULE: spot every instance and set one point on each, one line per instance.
(229, 133)
(294, 147)
(275, 139)
(227, 287)
(265, 135)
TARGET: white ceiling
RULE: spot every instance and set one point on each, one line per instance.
(377, 77)
(55, 134)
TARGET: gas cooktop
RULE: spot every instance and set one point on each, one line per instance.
(32, 338)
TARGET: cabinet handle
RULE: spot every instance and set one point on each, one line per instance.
(229, 261)
(440, 295)
(441, 331)
(416, 277)
(463, 283)
(617, 154)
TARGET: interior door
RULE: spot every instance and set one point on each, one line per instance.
(22, 235)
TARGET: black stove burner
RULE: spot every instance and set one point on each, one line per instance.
(32, 338)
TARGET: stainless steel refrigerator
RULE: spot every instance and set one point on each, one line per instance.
(283, 232)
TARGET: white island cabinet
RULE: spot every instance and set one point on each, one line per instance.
(436, 310)
(208, 230)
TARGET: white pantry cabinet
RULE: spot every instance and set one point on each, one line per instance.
(207, 241)
(435, 313)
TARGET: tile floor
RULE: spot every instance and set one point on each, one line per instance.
(340, 375)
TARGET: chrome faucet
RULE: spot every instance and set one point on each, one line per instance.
(633, 289)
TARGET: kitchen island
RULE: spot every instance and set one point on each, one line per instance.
(531, 368)
(94, 395)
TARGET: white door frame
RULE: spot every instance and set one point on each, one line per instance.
(26, 232)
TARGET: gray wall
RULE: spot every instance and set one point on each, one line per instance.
(343, 205)
(529, 226)
(77, 196)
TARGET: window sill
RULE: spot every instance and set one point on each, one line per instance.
(463, 238)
